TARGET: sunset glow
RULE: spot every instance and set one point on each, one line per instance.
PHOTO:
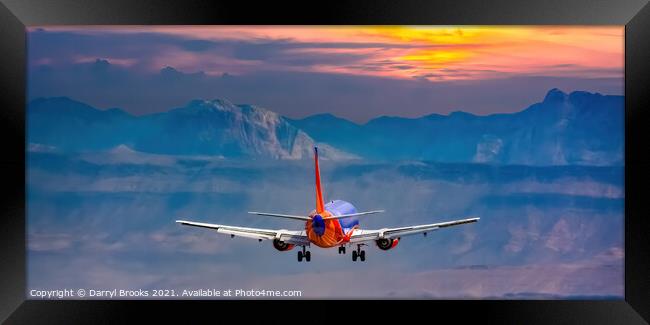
(353, 71)
(435, 53)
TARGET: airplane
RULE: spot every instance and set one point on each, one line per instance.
(332, 224)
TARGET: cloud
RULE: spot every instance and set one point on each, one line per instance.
(468, 241)
(186, 241)
(524, 235)
(44, 242)
(569, 186)
(81, 234)
(561, 238)
(534, 281)
(294, 76)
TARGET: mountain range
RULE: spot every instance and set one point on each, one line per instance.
(202, 127)
(579, 128)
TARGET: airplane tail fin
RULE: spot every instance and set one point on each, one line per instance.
(320, 205)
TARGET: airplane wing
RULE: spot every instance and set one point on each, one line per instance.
(361, 235)
(296, 237)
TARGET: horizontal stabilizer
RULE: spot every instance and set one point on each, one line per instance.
(354, 214)
(278, 215)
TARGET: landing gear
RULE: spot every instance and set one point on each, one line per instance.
(341, 249)
(304, 254)
(360, 254)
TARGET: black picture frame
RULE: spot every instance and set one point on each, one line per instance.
(15, 15)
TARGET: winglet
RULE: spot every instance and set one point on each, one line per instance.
(320, 205)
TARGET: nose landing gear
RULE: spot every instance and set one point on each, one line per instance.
(304, 254)
(360, 254)
(341, 249)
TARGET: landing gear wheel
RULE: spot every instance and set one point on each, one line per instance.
(354, 256)
(299, 256)
(363, 256)
(341, 249)
(308, 256)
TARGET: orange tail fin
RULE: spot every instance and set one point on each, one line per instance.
(320, 205)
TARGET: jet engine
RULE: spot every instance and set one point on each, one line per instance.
(387, 243)
(282, 246)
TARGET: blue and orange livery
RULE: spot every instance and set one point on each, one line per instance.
(331, 224)
(321, 230)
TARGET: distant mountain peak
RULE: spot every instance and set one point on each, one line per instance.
(555, 95)
(122, 148)
(59, 99)
(221, 102)
(60, 103)
(578, 96)
(217, 104)
(65, 105)
(325, 117)
(252, 113)
(211, 102)
(117, 112)
(461, 114)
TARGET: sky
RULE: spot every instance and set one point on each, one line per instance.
(106, 219)
(355, 72)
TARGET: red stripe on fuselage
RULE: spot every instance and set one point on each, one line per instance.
(347, 236)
